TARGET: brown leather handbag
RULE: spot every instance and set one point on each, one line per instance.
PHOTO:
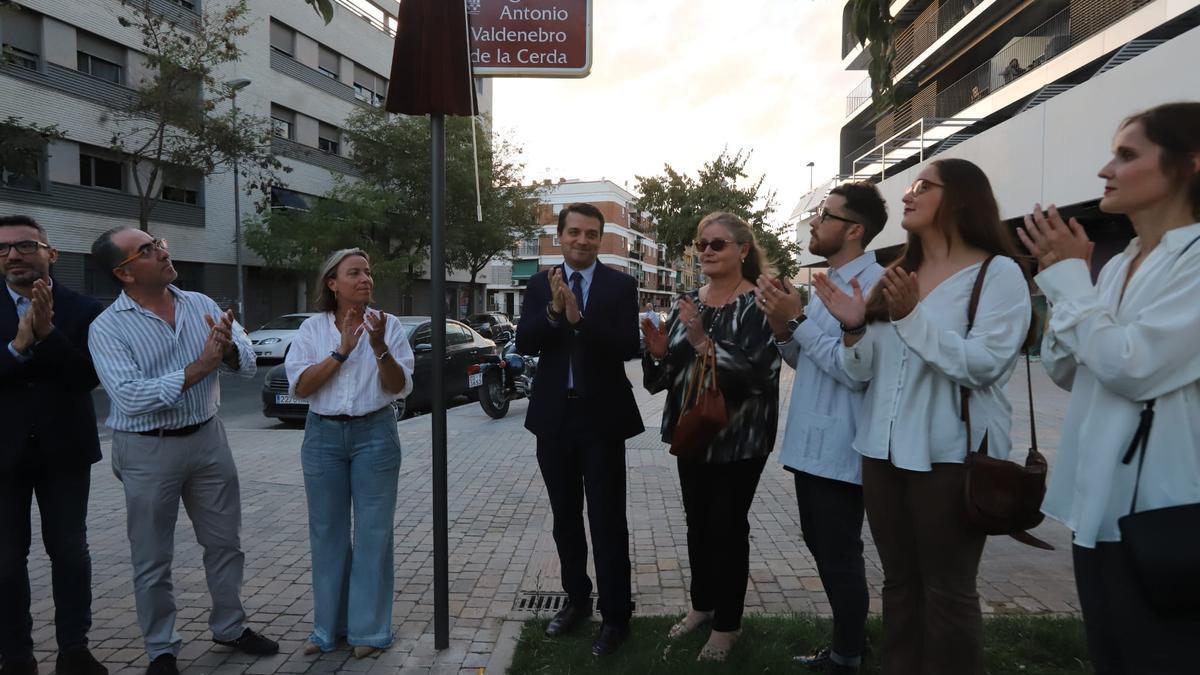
(703, 414)
(1002, 497)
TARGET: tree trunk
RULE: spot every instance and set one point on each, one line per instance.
(471, 295)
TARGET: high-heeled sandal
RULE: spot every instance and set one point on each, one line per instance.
(682, 627)
(712, 654)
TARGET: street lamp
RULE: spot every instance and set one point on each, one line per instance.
(234, 87)
(810, 172)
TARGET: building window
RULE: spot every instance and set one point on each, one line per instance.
(97, 171)
(181, 185)
(283, 39)
(30, 180)
(328, 138)
(178, 194)
(186, 4)
(328, 62)
(99, 57)
(284, 199)
(556, 240)
(21, 39)
(283, 121)
(369, 87)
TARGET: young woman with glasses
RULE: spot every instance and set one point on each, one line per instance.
(1128, 339)
(909, 340)
(719, 485)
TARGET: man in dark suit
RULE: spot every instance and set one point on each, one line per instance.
(50, 444)
(582, 318)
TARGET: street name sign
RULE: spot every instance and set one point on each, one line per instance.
(530, 38)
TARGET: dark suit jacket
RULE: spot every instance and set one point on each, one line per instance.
(50, 396)
(608, 336)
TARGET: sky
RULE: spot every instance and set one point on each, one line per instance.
(676, 81)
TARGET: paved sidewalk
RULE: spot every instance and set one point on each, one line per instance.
(500, 544)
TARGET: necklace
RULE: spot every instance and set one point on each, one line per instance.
(718, 309)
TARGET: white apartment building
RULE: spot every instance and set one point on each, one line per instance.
(1031, 91)
(628, 245)
(75, 61)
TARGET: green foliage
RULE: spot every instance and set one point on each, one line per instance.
(323, 7)
(1030, 645)
(871, 25)
(387, 211)
(22, 144)
(176, 123)
(678, 201)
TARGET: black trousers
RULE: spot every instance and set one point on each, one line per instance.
(577, 465)
(716, 502)
(831, 520)
(62, 497)
(1125, 635)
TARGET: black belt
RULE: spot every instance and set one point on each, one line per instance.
(347, 418)
(181, 431)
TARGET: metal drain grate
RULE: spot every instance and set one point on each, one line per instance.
(537, 602)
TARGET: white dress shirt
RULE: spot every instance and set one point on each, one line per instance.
(1113, 354)
(355, 388)
(824, 410)
(22, 304)
(916, 365)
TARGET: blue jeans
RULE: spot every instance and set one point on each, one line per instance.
(351, 466)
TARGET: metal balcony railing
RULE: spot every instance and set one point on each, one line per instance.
(934, 22)
(859, 95)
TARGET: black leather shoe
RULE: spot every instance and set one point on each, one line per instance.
(252, 643)
(24, 668)
(78, 661)
(568, 618)
(163, 665)
(610, 638)
(822, 662)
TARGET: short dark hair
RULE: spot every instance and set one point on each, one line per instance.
(583, 209)
(24, 221)
(864, 202)
(106, 253)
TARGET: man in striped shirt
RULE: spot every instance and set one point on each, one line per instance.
(157, 351)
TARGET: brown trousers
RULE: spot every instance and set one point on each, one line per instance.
(932, 623)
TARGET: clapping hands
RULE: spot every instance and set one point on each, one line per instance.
(1050, 240)
(564, 301)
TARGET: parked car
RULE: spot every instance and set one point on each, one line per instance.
(494, 326)
(272, 339)
(464, 348)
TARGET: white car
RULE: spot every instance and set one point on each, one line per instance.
(272, 339)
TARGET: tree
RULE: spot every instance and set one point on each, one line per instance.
(386, 210)
(322, 7)
(677, 202)
(871, 25)
(171, 130)
(22, 145)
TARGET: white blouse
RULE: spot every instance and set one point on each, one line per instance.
(1113, 354)
(355, 388)
(915, 366)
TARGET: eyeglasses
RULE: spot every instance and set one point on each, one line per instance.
(716, 245)
(824, 213)
(920, 186)
(27, 247)
(144, 251)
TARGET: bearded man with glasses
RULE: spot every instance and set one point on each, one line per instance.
(158, 350)
(49, 447)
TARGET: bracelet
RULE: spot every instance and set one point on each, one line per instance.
(552, 315)
(853, 331)
(339, 357)
(382, 356)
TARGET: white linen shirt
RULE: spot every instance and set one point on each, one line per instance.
(915, 366)
(355, 388)
(1113, 354)
(823, 414)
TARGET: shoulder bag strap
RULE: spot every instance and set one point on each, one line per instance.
(965, 393)
(1033, 447)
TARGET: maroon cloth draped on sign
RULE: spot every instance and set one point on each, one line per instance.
(431, 71)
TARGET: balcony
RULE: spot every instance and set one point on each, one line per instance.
(858, 96)
(931, 24)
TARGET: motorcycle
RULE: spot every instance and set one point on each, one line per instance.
(499, 380)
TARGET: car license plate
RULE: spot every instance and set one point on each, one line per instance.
(475, 380)
(284, 399)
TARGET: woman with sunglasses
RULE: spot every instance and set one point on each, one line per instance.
(1128, 339)
(719, 485)
(909, 339)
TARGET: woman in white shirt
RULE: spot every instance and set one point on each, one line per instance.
(1128, 339)
(910, 341)
(350, 363)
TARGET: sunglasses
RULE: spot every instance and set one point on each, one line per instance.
(27, 247)
(920, 186)
(716, 245)
(144, 251)
(824, 213)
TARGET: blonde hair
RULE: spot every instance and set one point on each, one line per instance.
(326, 300)
(755, 262)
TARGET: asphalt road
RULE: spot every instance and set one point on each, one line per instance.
(241, 404)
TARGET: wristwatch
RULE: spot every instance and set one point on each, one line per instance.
(793, 324)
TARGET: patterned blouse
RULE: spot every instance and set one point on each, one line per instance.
(747, 374)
